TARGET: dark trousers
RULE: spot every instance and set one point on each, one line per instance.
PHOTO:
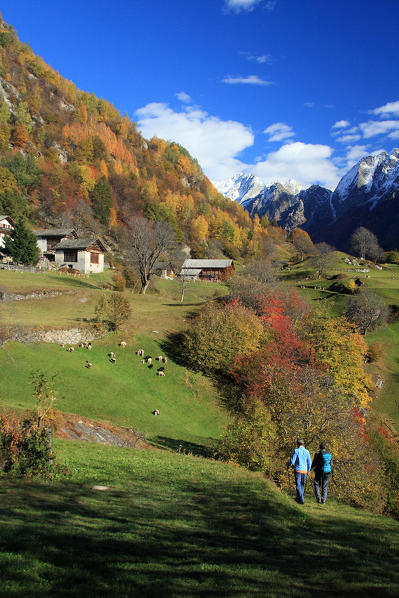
(321, 481)
(300, 480)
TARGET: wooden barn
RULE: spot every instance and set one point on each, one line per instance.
(211, 270)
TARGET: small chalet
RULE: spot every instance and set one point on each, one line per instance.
(85, 255)
(47, 239)
(6, 228)
(212, 270)
(163, 270)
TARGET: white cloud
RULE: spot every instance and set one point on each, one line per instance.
(239, 5)
(394, 135)
(372, 128)
(354, 154)
(349, 138)
(279, 131)
(341, 124)
(249, 80)
(305, 162)
(183, 97)
(389, 108)
(309, 104)
(271, 4)
(260, 59)
(214, 142)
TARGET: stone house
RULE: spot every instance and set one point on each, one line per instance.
(47, 239)
(85, 255)
(6, 228)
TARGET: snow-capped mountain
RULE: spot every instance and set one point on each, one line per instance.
(240, 187)
(368, 195)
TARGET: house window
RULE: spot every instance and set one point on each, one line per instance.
(94, 258)
(70, 255)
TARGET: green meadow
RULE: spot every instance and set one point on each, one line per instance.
(179, 525)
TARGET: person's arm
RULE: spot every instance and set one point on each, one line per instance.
(309, 462)
(292, 460)
(314, 462)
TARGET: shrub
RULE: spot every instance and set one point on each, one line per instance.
(218, 333)
(119, 281)
(375, 351)
(24, 447)
(112, 310)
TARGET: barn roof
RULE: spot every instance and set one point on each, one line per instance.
(190, 271)
(79, 244)
(207, 264)
(53, 232)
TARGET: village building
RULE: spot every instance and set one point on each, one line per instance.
(211, 270)
(85, 255)
(47, 239)
(163, 270)
(6, 228)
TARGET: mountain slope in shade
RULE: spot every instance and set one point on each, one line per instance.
(368, 195)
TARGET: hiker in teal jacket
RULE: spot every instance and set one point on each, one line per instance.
(322, 465)
(302, 463)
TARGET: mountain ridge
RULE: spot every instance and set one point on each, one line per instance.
(367, 195)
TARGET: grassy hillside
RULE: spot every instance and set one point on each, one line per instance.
(175, 525)
(124, 393)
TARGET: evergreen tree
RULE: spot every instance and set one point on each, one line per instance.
(22, 246)
(101, 201)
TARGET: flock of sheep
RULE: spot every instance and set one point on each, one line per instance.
(112, 357)
(147, 359)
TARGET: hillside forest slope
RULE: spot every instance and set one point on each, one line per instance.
(68, 156)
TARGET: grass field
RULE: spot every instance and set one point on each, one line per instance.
(124, 393)
(175, 525)
(170, 524)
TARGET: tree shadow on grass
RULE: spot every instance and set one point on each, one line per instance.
(193, 539)
(186, 448)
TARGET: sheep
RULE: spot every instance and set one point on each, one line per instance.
(165, 359)
(62, 345)
(111, 354)
(150, 366)
(159, 358)
(113, 360)
(162, 369)
(81, 344)
(148, 359)
(155, 412)
(71, 349)
(89, 346)
(143, 361)
(122, 344)
(160, 373)
(140, 352)
(89, 365)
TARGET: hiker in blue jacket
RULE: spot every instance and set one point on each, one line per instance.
(322, 465)
(302, 463)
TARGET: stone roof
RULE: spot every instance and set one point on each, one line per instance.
(78, 244)
(201, 264)
(53, 232)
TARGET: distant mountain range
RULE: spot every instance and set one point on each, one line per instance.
(368, 195)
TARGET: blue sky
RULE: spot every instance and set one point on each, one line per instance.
(282, 88)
